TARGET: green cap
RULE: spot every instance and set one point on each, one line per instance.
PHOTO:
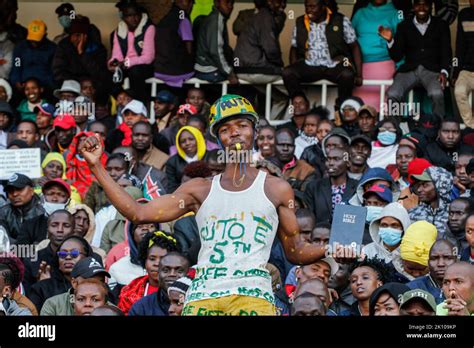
(420, 295)
(425, 176)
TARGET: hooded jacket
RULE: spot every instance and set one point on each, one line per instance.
(128, 267)
(443, 182)
(56, 156)
(377, 248)
(91, 231)
(373, 174)
(121, 249)
(175, 164)
(78, 172)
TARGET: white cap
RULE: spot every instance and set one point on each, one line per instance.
(137, 107)
(332, 264)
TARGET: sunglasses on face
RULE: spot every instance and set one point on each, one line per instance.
(73, 253)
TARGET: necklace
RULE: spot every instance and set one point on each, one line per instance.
(240, 181)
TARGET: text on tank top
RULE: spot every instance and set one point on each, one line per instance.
(237, 229)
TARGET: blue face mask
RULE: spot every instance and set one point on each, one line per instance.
(373, 213)
(387, 138)
(390, 236)
(65, 21)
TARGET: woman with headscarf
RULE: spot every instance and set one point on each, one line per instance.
(54, 166)
(191, 147)
(78, 172)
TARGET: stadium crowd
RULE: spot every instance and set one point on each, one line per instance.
(412, 170)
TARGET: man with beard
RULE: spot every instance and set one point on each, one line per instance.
(142, 142)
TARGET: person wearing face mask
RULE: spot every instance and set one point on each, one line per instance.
(65, 12)
(384, 149)
(375, 199)
(55, 195)
(386, 232)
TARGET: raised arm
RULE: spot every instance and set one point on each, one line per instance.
(163, 209)
(297, 251)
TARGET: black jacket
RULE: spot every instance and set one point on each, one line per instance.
(318, 196)
(13, 218)
(258, 48)
(69, 65)
(432, 50)
(439, 156)
(465, 40)
(186, 232)
(47, 288)
(171, 55)
(314, 155)
(156, 304)
(174, 171)
(33, 230)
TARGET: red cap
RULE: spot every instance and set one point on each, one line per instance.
(417, 167)
(187, 108)
(60, 182)
(65, 121)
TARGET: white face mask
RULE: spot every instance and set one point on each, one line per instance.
(52, 207)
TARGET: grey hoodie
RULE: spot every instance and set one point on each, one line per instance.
(376, 248)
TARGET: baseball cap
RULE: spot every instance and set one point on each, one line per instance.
(79, 25)
(416, 167)
(137, 107)
(363, 138)
(382, 191)
(332, 264)
(64, 9)
(6, 108)
(187, 108)
(370, 110)
(58, 181)
(88, 268)
(418, 294)
(165, 96)
(45, 108)
(425, 176)
(36, 30)
(65, 121)
(19, 181)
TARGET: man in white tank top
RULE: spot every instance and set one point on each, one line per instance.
(238, 213)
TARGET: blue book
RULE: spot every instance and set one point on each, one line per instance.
(348, 225)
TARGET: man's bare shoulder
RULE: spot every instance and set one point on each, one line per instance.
(278, 190)
(198, 187)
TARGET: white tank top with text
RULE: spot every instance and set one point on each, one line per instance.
(237, 230)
